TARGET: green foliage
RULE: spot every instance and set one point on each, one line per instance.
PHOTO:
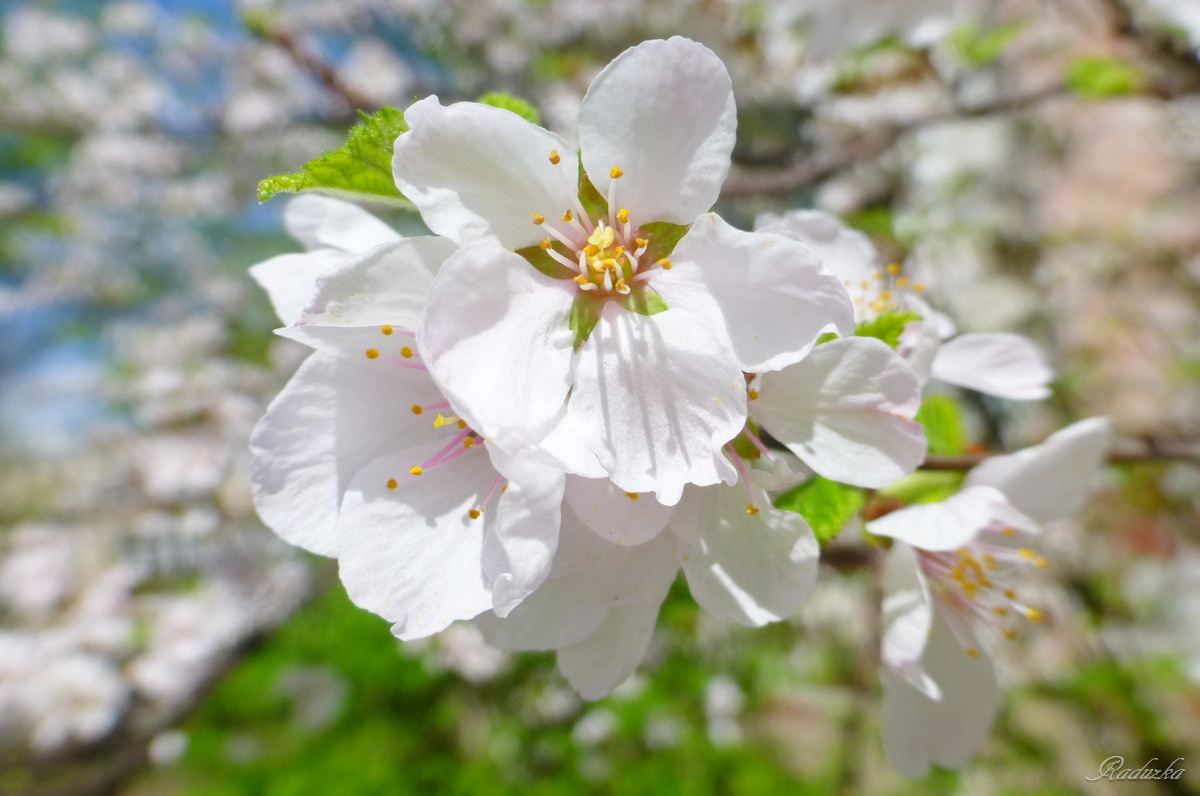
(663, 237)
(585, 314)
(943, 423)
(360, 170)
(826, 505)
(1099, 76)
(978, 47)
(887, 327)
(925, 486)
(541, 260)
(498, 99)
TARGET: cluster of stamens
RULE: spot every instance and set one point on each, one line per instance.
(606, 255)
(884, 291)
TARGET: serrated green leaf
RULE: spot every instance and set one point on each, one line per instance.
(925, 486)
(826, 505)
(360, 170)
(498, 99)
(643, 300)
(1098, 77)
(585, 314)
(887, 327)
(979, 47)
(663, 238)
(943, 423)
(541, 260)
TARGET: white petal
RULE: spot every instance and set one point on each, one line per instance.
(767, 293)
(480, 173)
(743, 568)
(919, 731)
(290, 279)
(847, 411)
(522, 536)
(322, 222)
(846, 252)
(1004, 365)
(953, 522)
(655, 398)
(919, 344)
(1052, 480)
(496, 339)
(786, 471)
(662, 112)
(940, 320)
(600, 663)
(907, 616)
(613, 514)
(413, 554)
(331, 419)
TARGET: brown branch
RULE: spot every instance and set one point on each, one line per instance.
(311, 61)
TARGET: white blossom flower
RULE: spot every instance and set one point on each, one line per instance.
(951, 586)
(1000, 364)
(571, 326)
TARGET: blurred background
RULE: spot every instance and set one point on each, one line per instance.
(1036, 162)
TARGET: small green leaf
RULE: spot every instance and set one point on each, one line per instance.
(663, 237)
(498, 99)
(887, 327)
(943, 424)
(585, 314)
(1098, 76)
(925, 486)
(643, 300)
(361, 169)
(541, 260)
(978, 47)
(594, 204)
(826, 505)
(825, 338)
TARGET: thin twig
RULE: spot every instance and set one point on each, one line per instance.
(321, 69)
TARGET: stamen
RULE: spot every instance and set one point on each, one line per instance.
(566, 241)
(539, 219)
(417, 409)
(631, 495)
(442, 420)
(372, 353)
(416, 469)
(752, 394)
(386, 329)
(918, 287)
(894, 268)
(758, 443)
(392, 483)
(474, 513)
(622, 288)
(555, 158)
(665, 263)
(406, 352)
(615, 173)
(751, 509)
(547, 243)
(973, 652)
(558, 258)
(568, 216)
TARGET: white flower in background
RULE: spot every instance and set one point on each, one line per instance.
(1000, 364)
(842, 24)
(361, 457)
(571, 326)
(76, 698)
(39, 571)
(952, 588)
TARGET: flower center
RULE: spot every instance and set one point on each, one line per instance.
(884, 291)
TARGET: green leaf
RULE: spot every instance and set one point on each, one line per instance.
(594, 204)
(826, 505)
(541, 260)
(1099, 76)
(825, 338)
(361, 169)
(925, 486)
(943, 424)
(498, 99)
(979, 47)
(643, 300)
(585, 314)
(663, 237)
(887, 327)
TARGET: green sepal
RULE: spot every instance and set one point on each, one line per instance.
(643, 300)
(539, 259)
(887, 327)
(925, 486)
(594, 204)
(943, 423)
(827, 505)
(663, 237)
(360, 170)
(499, 99)
(585, 314)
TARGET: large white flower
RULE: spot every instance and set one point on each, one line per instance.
(597, 316)
(951, 586)
(1000, 364)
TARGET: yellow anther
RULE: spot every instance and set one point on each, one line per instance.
(665, 263)
(416, 469)
(1034, 615)
(568, 216)
(971, 651)
(885, 294)
(877, 275)
(392, 483)
(372, 353)
(1000, 610)
(474, 514)
(621, 287)
(918, 286)
(469, 442)
(1009, 531)
(591, 250)
(417, 409)
(752, 394)
(538, 218)
(406, 352)
(547, 243)
(385, 329)
(603, 237)
(616, 173)
(1025, 552)
(989, 561)
(1010, 594)
(623, 215)
(442, 420)
(581, 279)
(555, 158)
(619, 251)
(1009, 634)
(864, 284)
(752, 509)
(641, 242)
(462, 424)
(894, 268)
(1041, 562)
(902, 282)
(631, 495)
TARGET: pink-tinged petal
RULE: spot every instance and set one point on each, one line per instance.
(331, 419)
(745, 568)
(919, 731)
(1052, 480)
(847, 253)
(320, 222)
(907, 615)
(619, 517)
(291, 279)
(847, 412)
(480, 173)
(1004, 365)
(953, 522)
(655, 398)
(663, 113)
(607, 658)
(768, 294)
(412, 553)
(495, 337)
(522, 535)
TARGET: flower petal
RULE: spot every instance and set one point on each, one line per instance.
(323, 222)
(847, 411)
(743, 568)
(290, 279)
(907, 615)
(662, 112)
(953, 522)
(600, 663)
(919, 344)
(846, 252)
(480, 173)
(331, 419)
(655, 398)
(619, 517)
(1004, 365)
(1052, 480)
(413, 554)
(767, 293)
(919, 731)
(496, 339)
